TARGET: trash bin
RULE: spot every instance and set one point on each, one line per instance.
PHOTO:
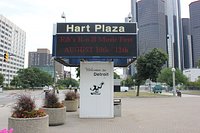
(117, 107)
(178, 93)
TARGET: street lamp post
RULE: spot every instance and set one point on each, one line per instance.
(173, 76)
(134, 84)
(173, 69)
(129, 17)
(63, 16)
(54, 71)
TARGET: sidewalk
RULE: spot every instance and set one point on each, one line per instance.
(139, 115)
(182, 95)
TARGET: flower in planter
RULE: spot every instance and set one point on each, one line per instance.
(55, 110)
(51, 101)
(71, 101)
(71, 95)
(25, 108)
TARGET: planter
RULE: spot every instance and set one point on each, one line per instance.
(29, 125)
(71, 105)
(57, 116)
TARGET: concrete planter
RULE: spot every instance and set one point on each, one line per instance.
(71, 105)
(29, 125)
(57, 116)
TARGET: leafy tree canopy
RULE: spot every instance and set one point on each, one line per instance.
(129, 81)
(16, 82)
(198, 64)
(67, 82)
(166, 77)
(150, 65)
(32, 77)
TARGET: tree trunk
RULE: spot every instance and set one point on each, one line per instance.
(138, 90)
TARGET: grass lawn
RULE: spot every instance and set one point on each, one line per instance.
(132, 94)
(191, 92)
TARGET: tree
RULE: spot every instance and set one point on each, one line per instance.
(45, 78)
(1, 79)
(138, 82)
(152, 64)
(149, 66)
(166, 77)
(128, 81)
(198, 64)
(15, 82)
(67, 82)
(33, 77)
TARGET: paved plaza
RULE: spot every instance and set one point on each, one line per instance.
(139, 115)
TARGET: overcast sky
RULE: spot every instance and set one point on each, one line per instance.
(36, 17)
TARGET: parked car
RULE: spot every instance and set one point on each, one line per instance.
(47, 88)
(157, 89)
(124, 89)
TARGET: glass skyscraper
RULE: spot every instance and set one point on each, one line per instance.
(159, 23)
(187, 43)
(174, 33)
(152, 25)
(195, 30)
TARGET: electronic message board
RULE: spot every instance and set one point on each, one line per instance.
(95, 40)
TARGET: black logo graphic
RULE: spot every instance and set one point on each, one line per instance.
(96, 89)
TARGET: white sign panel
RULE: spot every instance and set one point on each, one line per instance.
(96, 90)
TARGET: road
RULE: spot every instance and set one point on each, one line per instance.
(7, 98)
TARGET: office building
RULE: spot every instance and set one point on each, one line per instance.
(159, 23)
(192, 74)
(187, 43)
(174, 33)
(195, 30)
(42, 59)
(134, 10)
(152, 25)
(13, 41)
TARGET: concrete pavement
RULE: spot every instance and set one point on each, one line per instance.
(139, 115)
(142, 115)
(182, 95)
